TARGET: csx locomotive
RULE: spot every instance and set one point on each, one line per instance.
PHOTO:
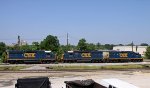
(15, 56)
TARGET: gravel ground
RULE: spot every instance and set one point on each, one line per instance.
(75, 64)
(140, 78)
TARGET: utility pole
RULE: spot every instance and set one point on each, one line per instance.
(67, 39)
(132, 46)
(18, 40)
(136, 48)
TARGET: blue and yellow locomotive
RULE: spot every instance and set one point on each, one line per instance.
(83, 56)
(102, 56)
(18, 56)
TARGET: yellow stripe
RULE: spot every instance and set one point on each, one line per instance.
(31, 59)
(118, 58)
(136, 58)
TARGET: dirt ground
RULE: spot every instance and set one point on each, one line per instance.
(139, 78)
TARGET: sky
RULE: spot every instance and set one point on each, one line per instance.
(103, 21)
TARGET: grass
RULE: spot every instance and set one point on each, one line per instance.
(122, 67)
(112, 67)
(80, 68)
(12, 68)
(0, 59)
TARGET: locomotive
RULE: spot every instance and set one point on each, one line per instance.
(102, 56)
(17, 56)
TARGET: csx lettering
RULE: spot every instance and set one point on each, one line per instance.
(86, 54)
(29, 54)
(123, 55)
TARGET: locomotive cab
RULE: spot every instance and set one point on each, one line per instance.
(69, 57)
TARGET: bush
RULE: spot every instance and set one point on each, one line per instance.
(4, 57)
(147, 53)
(59, 55)
(0, 59)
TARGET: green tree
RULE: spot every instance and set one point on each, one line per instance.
(98, 46)
(50, 43)
(35, 46)
(82, 45)
(147, 53)
(130, 44)
(9, 47)
(73, 47)
(4, 57)
(91, 46)
(16, 47)
(65, 48)
(120, 45)
(2, 48)
(26, 47)
(144, 44)
(109, 46)
(68, 47)
(59, 55)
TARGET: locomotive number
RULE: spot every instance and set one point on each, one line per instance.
(27, 55)
(123, 55)
(86, 54)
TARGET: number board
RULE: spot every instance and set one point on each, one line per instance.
(123, 54)
(86, 54)
(29, 55)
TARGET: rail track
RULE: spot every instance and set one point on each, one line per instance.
(33, 71)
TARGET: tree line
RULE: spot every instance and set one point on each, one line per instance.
(52, 43)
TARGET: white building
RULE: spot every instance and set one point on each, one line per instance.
(139, 49)
(23, 42)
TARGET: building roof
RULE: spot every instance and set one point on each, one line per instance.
(131, 46)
